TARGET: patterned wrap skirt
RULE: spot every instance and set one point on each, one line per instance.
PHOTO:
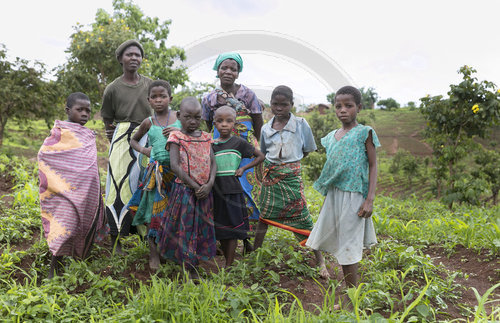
(187, 233)
(282, 200)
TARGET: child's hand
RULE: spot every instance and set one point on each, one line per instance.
(203, 191)
(366, 209)
(239, 172)
(146, 151)
(166, 131)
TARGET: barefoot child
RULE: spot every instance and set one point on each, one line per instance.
(285, 140)
(158, 178)
(187, 228)
(230, 211)
(348, 180)
(70, 193)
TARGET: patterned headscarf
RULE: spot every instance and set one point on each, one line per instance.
(222, 57)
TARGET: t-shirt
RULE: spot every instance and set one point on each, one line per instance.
(228, 155)
(124, 102)
(346, 166)
(194, 155)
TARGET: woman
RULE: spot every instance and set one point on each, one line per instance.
(248, 118)
(124, 106)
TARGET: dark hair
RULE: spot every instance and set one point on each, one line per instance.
(71, 100)
(350, 90)
(189, 100)
(161, 83)
(283, 90)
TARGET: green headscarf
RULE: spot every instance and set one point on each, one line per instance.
(222, 57)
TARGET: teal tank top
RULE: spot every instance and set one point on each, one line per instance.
(158, 141)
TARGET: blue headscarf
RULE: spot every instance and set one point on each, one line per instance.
(222, 57)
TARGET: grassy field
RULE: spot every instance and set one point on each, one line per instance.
(431, 264)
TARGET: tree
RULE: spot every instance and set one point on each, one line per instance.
(368, 97)
(471, 110)
(489, 169)
(388, 104)
(24, 93)
(331, 98)
(92, 63)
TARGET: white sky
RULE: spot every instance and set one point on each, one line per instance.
(404, 49)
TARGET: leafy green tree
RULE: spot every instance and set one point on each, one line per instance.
(368, 97)
(24, 93)
(190, 89)
(411, 105)
(471, 110)
(404, 161)
(92, 63)
(331, 98)
(489, 169)
(388, 104)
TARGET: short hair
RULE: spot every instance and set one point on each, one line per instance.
(350, 90)
(71, 100)
(189, 100)
(161, 83)
(283, 90)
(226, 108)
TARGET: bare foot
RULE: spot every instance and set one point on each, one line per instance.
(154, 262)
(323, 272)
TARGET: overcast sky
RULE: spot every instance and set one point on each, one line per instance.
(403, 49)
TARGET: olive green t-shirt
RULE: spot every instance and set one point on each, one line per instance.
(124, 102)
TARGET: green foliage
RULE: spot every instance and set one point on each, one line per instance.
(489, 169)
(388, 104)
(471, 110)
(92, 62)
(368, 97)
(398, 284)
(407, 163)
(192, 89)
(24, 92)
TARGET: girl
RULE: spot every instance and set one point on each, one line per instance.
(187, 234)
(70, 193)
(231, 213)
(348, 180)
(285, 140)
(158, 177)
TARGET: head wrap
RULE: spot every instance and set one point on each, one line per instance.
(222, 57)
(126, 44)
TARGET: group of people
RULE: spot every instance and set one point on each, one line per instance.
(201, 187)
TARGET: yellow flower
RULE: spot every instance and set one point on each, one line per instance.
(126, 28)
(100, 39)
(475, 108)
(498, 91)
(78, 46)
(442, 146)
(91, 34)
(87, 40)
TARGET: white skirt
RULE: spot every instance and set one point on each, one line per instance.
(339, 230)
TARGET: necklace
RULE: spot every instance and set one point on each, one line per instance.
(166, 124)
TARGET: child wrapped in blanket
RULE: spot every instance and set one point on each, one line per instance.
(70, 193)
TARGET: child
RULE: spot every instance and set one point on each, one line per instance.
(187, 229)
(285, 140)
(348, 180)
(230, 211)
(70, 194)
(158, 177)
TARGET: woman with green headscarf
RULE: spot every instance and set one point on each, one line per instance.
(248, 118)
